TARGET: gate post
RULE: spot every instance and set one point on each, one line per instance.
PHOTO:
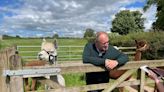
(4, 85)
(142, 81)
(16, 82)
(10, 60)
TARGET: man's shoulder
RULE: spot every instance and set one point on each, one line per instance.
(89, 44)
(113, 48)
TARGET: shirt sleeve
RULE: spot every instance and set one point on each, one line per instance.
(89, 58)
(121, 58)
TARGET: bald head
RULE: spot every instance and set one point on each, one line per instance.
(101, 35)
(102, 41)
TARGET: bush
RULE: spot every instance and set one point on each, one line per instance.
(155, 39)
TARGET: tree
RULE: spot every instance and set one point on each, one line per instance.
(55, 36)
(159, 24)
(89, 35)
(127, 21)
(17, 36)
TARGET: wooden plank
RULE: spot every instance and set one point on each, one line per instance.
(16, 82)
(32, 72)
(148, 89)
(4, 64)
(79, 67)
(49, 83)
(142, 83)
(119, 80)
(95, 86)
(130, 89)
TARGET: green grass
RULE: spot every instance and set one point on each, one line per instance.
(37, 42)
(77, 79)
(26, 42)
(71, 79)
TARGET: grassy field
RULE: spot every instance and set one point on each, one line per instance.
(37, 42)
(71, 79)
(14, 41)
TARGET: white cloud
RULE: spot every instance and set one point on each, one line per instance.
(62, 16)
(150, 17)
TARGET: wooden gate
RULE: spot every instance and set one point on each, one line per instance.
(10, 60)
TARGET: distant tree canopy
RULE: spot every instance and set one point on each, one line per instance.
(89, 34)
(55, 36)
(127, 21)
(159, 24)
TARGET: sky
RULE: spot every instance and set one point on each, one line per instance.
(67, 18)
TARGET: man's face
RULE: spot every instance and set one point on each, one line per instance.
(103, 44)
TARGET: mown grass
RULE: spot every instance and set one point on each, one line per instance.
(156, 39)
(71, 79)
(26, 42)
(74, 79)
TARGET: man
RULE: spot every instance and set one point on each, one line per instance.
(100, 53)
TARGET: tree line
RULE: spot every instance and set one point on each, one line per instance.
(127, 21)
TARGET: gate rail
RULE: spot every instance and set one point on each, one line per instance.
(9, 60)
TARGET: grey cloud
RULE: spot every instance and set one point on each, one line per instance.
(62, 16)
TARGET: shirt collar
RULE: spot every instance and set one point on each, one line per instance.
(100, 53)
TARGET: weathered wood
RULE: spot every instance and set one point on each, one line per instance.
(9, 60)
(119, 80)
(49, 83)
(4, 64)
(130, 89)
(142, 83)
(148, 89)
(76, 67)
(16, 82)
(95, 86)
(79, 67)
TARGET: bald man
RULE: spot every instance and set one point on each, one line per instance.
(100, 53)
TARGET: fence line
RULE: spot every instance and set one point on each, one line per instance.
(65, 53)
(9, 60)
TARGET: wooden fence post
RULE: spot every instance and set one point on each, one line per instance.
(4, 85)
(10, 60)
(142, 81)
(16, 82)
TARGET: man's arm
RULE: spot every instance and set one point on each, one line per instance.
(120, 59)
(89, 58)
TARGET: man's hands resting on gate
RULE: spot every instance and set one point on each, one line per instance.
(110, 64)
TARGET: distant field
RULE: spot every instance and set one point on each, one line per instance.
(62, 52)
(71, 79)
(9, 42)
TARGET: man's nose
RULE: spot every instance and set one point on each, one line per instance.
(106, 44)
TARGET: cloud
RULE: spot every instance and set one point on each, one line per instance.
(150, 17)
(65, 17)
